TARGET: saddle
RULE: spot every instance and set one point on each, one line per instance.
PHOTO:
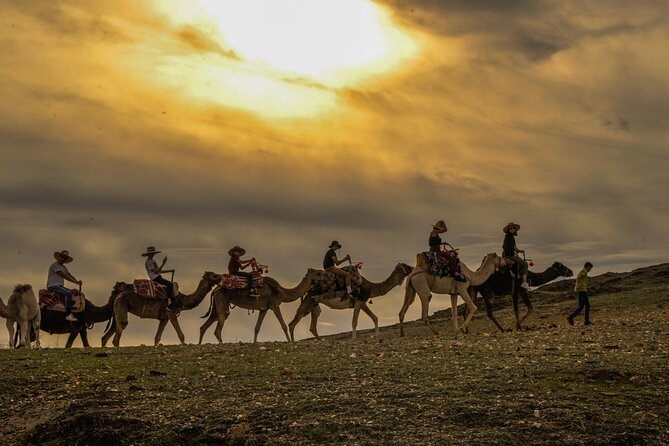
(437, 264)
(327, 285)
(233, 282)
(152, 290)
(49, 300)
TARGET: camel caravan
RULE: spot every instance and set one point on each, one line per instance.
(60, 310)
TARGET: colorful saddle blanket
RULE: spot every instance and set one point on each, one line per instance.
(437, 264)
(149, 288)
(327, 285)
(232, 282)
(54, 301)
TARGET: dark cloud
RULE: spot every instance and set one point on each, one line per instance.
(201, 42)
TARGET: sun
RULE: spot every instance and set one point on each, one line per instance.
(290, 55)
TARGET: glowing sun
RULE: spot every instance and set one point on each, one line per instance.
(285, 58)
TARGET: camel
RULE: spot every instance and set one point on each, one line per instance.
(53, 322)
(22, 307)
(272, 295)
(501, 284)
(311, 305)
(424, 283)
(150, 308)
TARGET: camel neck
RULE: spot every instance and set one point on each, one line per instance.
(482, 274)
(383, 288)
(299, 289)
(194, 299)
(543, 278)
(4, 309)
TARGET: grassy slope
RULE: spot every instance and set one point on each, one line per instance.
(552, 384)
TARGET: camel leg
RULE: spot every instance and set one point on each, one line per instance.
(84, 338)
(25, 334)
(488, 299)
(120, 319)
(373, 317)
(454, 312)
(35, 324)
(470, 306)
(261, 316)
(514, 299)
(354, 322)
(222, 314)
(526, 299)
(71, 338)
(108, 334)
(306, 306)
(174, 319)
(425, 308)
(315, 313)
(277, 312)
(10, 330)
(409, 297)
(159, 333)
(208, 323)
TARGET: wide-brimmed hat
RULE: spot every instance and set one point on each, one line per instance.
(238, 249)
(510, 226)
(440, 226)
(335, 243)
(64, 255)
(150, 250)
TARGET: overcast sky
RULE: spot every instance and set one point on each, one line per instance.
(551, 114)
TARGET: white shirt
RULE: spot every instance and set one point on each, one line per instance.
(54, 278)
(151, 264)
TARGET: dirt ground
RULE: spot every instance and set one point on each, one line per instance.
(605, 384)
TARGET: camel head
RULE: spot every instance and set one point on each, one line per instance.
(494, 258)
(562, 270)
(403, 268)
(212, 278)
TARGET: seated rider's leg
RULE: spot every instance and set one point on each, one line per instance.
(169, 287)
(65, 293)
(341, 273)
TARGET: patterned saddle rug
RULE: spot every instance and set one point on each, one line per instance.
(54, 301)
(152, 290)
(327, 285)
(232, 282)
(437, 264)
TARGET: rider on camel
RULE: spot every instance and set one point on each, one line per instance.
(330, 264)
(436, 244)
(236, 264)
(511, 251)
(154, 272)
(58, 274)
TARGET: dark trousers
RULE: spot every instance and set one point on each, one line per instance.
(583, 302)
(248, 276)
(169, 285)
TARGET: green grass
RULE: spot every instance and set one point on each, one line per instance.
(552, 384)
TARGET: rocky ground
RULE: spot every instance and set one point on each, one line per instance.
(549, 384)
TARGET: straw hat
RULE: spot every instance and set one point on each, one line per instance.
(238, 249)
(64, 254)
(440, 226)
(150, 250)
(510, 226)
(334, 243)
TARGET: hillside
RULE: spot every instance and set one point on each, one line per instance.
(551, 384)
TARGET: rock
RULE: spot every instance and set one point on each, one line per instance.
(101, 355)
(156, 373)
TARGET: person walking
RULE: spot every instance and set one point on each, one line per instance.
(581, 290)
(58, 274)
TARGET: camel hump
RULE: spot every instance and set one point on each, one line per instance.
(22, 288)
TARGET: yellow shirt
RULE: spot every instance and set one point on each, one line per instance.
(582, 281)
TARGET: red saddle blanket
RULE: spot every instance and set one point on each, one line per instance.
(149, 288)
(54, 301)
(232, 282)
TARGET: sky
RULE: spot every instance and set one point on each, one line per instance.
(282, 125)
